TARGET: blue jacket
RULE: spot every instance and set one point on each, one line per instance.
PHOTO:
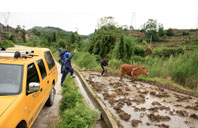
(67, 63)
(61, 54)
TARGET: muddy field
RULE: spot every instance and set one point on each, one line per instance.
(143, 105)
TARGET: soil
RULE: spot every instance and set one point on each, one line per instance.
(158, 118)
(135, 123)
(144, 102)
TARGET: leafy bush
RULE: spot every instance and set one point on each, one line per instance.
(86, 60)
(114, 63)
(70, 98)
(144, 42)
(74, 113)
(170, 32)
(185, 70)
(139, 51)
(6, 43)
(79, 117)
(185, 33)
(137, 59)
(167, 52)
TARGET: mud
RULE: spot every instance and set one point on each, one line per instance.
(135, 123)
(194, 116)
(158, 118)
(154, 106)
(162, 125)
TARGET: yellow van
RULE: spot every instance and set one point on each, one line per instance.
(27, 79)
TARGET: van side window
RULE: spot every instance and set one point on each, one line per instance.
(49, 59)
(32, 75)
(42, 68)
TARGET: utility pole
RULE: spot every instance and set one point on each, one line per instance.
(76, 29)
(6, 17)
(133, 20)
(197, 23)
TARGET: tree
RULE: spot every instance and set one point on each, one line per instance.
(121, 50)
(102, 42)
(170, 32)
(161, 30)
(18, 29)
(73, 38)
(24, 35)
(36, 32)
(106, 22)
(54, 37)
(150, 25)
(150, 29)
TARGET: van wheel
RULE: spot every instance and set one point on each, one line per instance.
(22, 124)
(50, 100)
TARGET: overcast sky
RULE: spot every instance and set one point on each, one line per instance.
(82, 15)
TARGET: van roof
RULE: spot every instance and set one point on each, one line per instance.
(19, 61)
(22, 60)
(37, 50)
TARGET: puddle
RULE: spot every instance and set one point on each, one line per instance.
(143, 105)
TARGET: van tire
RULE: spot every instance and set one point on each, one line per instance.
(50, 100)
(22, 124)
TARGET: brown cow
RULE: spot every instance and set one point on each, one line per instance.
(132, 70)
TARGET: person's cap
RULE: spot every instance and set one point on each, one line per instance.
(59, 49)
(67, 54)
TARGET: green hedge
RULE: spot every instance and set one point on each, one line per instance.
(6, 43)
(167, 52)
(74, 113)
(86, 60)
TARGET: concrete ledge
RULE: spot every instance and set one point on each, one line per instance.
(107, 116)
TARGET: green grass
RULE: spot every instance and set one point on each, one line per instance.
(6, 43)
(74, 113)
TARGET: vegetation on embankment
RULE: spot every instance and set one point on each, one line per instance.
(74, 113)
(6, 43)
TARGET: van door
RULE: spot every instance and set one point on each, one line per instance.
(32, 99)
(45, 84)
(52, 70)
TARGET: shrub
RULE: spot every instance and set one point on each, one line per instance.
(138, 59)
(70, 98)
(167, 52)
(79, 117)
(144, 42)
(74, 113)
(185, 33)
(86, 60)
(139, 51)
(6, 43)
(115, 63)
(185, 70)
(170, 32)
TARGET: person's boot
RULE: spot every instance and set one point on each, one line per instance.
(72, 76)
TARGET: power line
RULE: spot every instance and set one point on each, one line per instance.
(6, 16)
(197, 23)
(133, 20)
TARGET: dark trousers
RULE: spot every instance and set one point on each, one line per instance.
(62, 63)
(103, 70)
(64, 74)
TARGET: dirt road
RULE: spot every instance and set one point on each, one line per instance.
(49, 115)
(143, 105)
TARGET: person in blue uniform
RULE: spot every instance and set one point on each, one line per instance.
(61, 55)
(67, 67)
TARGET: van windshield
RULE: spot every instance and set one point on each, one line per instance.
(10, 79)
